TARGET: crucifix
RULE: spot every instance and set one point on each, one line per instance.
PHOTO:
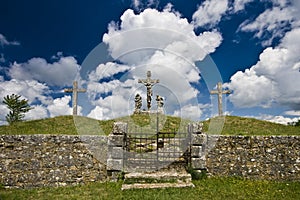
(75, 90)
(148, 83)
(220, 93)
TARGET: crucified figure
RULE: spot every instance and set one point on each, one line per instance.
(149, 83)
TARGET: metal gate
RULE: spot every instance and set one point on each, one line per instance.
(153, 151)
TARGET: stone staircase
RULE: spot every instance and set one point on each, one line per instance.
(157, 179)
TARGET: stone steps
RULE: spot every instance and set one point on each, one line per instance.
(156, 185)
(157, 179)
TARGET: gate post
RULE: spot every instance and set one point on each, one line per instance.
(198, 146)
(115, 154)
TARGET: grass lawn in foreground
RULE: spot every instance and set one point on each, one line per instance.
(210, 188)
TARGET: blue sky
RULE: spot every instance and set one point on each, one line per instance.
(252, 46)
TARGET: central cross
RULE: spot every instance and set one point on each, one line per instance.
(220, 93)
(75, 90)
(148, 82)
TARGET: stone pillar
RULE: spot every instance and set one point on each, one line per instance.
(198, 146)
(116, 147)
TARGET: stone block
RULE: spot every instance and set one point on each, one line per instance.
(198, 163)
(197, 151)
(114, 164)
(115, 152)
(198, 139)
(115, 140)
(119, 128)
(195, 128)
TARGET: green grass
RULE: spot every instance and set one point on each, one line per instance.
(211, 188)
(249, 126)
(69, 125)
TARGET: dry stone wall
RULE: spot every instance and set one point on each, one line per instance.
(258, 157)
(51, 160)
(58, 160)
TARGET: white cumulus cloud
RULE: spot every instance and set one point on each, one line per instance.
(210, 12)
(160, 41)
(60, 106)
(273, 79)
(59, 73)
(28, 89)
(239, 5)
(38, 112)
(272, 23)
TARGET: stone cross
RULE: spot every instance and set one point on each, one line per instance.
(75, 90)
(220, 93)
(149, 83)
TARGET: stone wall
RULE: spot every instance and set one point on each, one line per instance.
(51, 160)
(258, 157)
(58, 160)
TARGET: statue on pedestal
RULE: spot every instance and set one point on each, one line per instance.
(138, 103)
(160, 103)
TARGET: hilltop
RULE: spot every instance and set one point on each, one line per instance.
(65, 125)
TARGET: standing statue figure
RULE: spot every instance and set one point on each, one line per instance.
(149, 83)
(160, 104)
(138, 103)
(160, 101)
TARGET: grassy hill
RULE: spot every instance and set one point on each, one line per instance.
(249, 126)
(69, 125)
(82, 125)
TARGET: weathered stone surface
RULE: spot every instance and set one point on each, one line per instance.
(49, 160)
(119, 128)
(115, 153)
(198, 139)
(263, 157)
(58, 160)
(198, 163)
(115, 140)
(197, 151)
(195, 128)
(114, 164)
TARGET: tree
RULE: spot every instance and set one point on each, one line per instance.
(18, 107)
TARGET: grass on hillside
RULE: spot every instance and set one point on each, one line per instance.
(69, 125)
(249, 126)
(210, 188)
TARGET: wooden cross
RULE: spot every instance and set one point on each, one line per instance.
(220, 93)
(149, 83)
(75, 90)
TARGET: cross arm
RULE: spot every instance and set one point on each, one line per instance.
(69, 90)
(227, 92)
(81, 90)
(155, 81)
(214, 92)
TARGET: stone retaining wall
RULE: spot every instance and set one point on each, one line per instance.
(51, 160)
(58, 160)
(259, 157)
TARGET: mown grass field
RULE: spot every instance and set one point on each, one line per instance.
(67, 125)
(210, 188)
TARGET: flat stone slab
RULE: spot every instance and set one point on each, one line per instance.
(160, 175)
(156, 185)
(165, 178)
